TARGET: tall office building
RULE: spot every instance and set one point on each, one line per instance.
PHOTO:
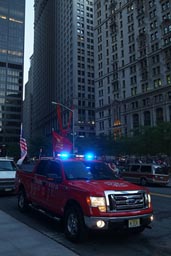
(132, 64)
(27, 105)
(12, 19)
(63, 69)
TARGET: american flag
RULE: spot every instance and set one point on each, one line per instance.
(23, 147)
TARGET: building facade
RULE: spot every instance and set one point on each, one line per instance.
(63, 69)
(12, 20)
(132, 64)
(27, 105)
(108, 60)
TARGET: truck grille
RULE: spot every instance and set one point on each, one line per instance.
(125, 200)
(7, 182)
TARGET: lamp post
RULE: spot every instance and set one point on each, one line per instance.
(73, 128)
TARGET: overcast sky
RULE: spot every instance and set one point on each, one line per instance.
(29, 20)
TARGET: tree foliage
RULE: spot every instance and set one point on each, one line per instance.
(148, 140)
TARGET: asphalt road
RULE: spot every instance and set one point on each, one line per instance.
(152, 242)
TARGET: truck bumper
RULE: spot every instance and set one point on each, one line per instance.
(7, 188)
(109, 223)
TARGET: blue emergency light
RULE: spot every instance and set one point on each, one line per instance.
(89, 156)
(64, 155)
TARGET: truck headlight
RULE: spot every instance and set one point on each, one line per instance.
(148, 199)
(98, 202)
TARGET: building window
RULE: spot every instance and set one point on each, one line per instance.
(168, 78)
(135, 121)
(101, 125)
(157, 83)
(169, 95)
(147, 118)
(170, 113)
(133, 91)
(159, 115)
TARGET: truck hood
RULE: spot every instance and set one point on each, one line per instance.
(7, 174)
(98, 187)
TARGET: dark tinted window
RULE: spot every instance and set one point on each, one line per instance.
(75, 170)
(146, 168)
(41, 167)
(88, 170)
(161, 170)
(134, 168)
(54, 169)
(100, 171)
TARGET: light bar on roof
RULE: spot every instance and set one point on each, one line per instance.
(89, 156)
(64, 155)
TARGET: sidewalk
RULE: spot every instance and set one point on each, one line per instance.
(17, 239)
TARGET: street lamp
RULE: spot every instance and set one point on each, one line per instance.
(73, 128)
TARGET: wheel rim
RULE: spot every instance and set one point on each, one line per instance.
(21, 201)
(72, 224)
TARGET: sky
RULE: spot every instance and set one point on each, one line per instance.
(28, 47)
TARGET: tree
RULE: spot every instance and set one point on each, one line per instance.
(41, 145)
(13, 150)
(149, 140)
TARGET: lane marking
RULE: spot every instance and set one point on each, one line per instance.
(162, 195)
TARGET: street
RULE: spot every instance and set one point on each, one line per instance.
(153, 242)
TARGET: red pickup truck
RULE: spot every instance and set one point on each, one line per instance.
(86, 195)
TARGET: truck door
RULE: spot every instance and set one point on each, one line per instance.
(38, 183)
(55, 191)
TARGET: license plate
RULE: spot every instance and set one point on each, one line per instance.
(133, 223)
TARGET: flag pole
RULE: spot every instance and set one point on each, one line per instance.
(53, 152)
(23, 147)
(73, 122)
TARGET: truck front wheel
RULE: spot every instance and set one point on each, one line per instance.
(74, 226)
(22, 201)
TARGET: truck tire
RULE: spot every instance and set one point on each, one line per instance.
(22, 201)
(74, 226)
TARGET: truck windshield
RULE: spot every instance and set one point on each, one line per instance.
(7, 166)
(88, 171)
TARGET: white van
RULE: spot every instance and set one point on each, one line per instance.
(7, 174)
(146, 174)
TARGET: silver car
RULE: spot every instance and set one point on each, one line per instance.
(7, 174)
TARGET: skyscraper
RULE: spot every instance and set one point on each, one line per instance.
(105, 57)
(12, 19)
(63, 69)
(132, 64)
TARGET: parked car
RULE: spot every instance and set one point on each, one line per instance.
(143, 173)
(7, 174)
